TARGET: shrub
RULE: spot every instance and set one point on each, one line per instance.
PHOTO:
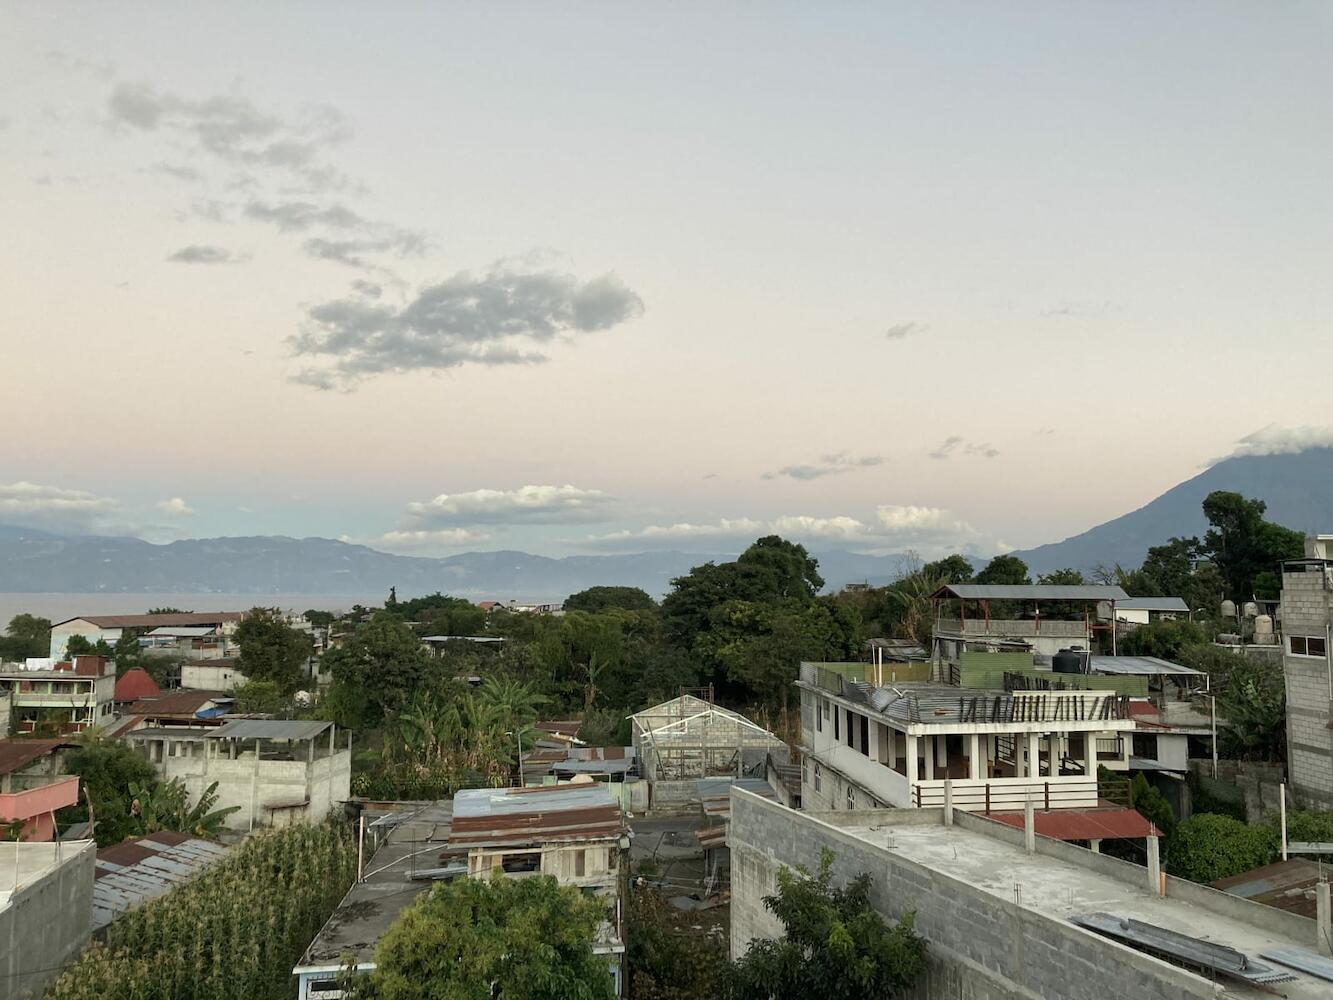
(1207, 847)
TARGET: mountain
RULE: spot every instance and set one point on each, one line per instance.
(1298, 489)
(40, 562)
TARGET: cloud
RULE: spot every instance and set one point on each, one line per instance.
(367, 288)
(175, 506)
(235, 131)
(1080, 310)
(178, 171)
(300, 216)
(441, 538)
(198, 254)
(961, 446)
(900, 331)
(32, 503)
(495, 319)
(727, 527)
(530, 504)
(829, 465)
(1275, 440)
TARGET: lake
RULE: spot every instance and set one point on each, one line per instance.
(58, 607)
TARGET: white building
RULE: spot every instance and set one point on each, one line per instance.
(1142, 610)
(896, 746)
(218, 627)
(59, 697)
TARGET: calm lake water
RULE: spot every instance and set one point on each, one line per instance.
(58, 607)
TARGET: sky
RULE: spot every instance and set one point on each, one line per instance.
(584, 278)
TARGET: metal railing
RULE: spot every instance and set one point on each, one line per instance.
(1008, 794)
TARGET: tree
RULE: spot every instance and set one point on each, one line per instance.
(271, 650)
(787, 568)
(1207, 847)
(1166, 639)
(27, 635)
(1061, 578)
(320, 619)
(601, 598)
(950, 569)
(165, 805)
(515, 939)
(834, 945)
(383, 661)
(1005, 570)
(262, 697)
(107, 768)
(1253, 701)
(667, 961)
(79, 646)
(1244, 546)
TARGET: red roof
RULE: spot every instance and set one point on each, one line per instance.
(181, 702)
(18, 754)
(1142, 709)
(136, 684)
(1115, 823)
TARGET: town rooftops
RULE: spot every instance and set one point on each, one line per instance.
(270, 729)
(18, 754)
(136, 870)
(517, 817)
(153, 621)
(1153, 604)
(1286, 885)
(912, 704)
(185, 702)
(1148, 666)
(1031, 592)
(137, 684)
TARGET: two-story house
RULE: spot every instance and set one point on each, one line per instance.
(59, 697)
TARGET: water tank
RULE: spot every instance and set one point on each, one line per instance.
(1228, 609)
(1041, 661)
(1229, 639)
(1068, 661)
(1263, 629)
(1250, 610)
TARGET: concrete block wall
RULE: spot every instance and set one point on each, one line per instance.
(982, 947)
(1307, 609)
(47, 920)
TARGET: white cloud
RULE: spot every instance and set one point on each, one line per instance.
(429, 540)
(805, 526)
(531, 504)
(959, 445)
(829, 465)
(900, 331)
(176, 506)
(1275, 440)
(25, 502)
(727, 527)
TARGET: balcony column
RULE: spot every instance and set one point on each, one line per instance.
(1053, 754)
(1032, 768)
(974, 757)
(1090, 754)
(930, 757)
(911, 766)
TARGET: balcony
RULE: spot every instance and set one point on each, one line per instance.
(1009, 794)
(1016, 628)
(34, 806)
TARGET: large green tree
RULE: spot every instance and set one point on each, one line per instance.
(601, 598)
(271, 650)
(27, 635)
(380, 665)
(950, 569)
(107, 769)
(834, 944)
(1004, 570)
(502, 939)
(1246, 548)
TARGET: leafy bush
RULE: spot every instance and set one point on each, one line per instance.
(233, 932)
(1207, 847)
(668, 961)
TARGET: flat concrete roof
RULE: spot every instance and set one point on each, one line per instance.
(1062, 889)
(24, 863)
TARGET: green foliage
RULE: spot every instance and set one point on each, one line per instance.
(834, 945)
(1005, 570)
(950, 569)
(666, 960)
(231, 933)
(271, 650)
(261, 697)
(1253, 703)
(1153, 806)
(382, 663)
(1209, 796)
(1206, 847)
(602, 598)
(166, 806)
(1166, 638)
(27, 635)
(107, 769)
(320, 619)
(516, 939)
(80, 646)
(1244, 546)
(1062, 578)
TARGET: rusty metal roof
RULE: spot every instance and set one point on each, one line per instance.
(17, 754)
(131, 872)
(1286, 885)
(516, 817)
(1112, 823)
(182, 702)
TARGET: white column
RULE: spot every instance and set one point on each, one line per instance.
(1090, 753)
(1033, 766)
(1323, 918)
(1154, 868)
(930, 756)
(974, 770)
(1096, 845)
(911, 767)
(1029, 827)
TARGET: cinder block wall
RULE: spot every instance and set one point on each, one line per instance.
(1307, 608)
(47, 921)
(981, 947)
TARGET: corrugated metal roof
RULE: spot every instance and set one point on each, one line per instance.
(715, 793)
(512, 817)
(17, 754)
(270, 729)
(1286, 885)
(1138, 666)
(1152, 604)
(131, 872)
(152, 621)
(1032, 592)
(1115, 823)
(182, 702)
(136, 684)
(183, 631)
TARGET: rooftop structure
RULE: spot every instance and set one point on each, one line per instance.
(142, 868)
(1072, 615)
(60, 696)
(1286, 885)
(1005, 915)
(45, 911)
(33, 786)
(189, 706)
(525, 817)
(110, 628)
(136, 683)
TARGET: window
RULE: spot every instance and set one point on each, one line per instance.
(851, 797)
(821, 710)
(580, 864)
(530, 861)
(818, 782)
(850, 721)
(837, 714)
(1145, 746)
(865, 735)
(1308, 645)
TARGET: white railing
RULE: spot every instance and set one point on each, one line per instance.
(1008, 794)
(1013, 627)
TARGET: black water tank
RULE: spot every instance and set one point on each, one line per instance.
(1068, 661)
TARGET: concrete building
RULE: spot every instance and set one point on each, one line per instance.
(33, 785)
(46, 906)
(1142, 610)
(574, 832)
(688, 738)
(897, 745)
(1006, 915)
(218, 626)
(278, 772)
(963, 618)
(1307, 665)
(219, 674)
(60, 696)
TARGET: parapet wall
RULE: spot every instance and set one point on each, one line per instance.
(981, 947)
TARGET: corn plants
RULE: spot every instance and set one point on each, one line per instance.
(231, 933)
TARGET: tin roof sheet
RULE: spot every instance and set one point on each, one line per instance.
(18, 754)
(1153, 604)
(486, 817)
(715, 793)
(152, 621)
(1113, 823)
(1286, 885)
(134, 871)
(1145, 666)
(271, 729)
(1032, 592)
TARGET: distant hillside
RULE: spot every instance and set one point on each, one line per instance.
(39, 562)
(1297, 488)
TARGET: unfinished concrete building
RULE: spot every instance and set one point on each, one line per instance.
(1307, 662)
(688, 738)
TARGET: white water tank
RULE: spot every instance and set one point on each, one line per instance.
(1263, 630)
(1251, 609)
(1228, 609)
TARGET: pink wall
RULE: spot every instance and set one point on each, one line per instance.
(35, 806)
